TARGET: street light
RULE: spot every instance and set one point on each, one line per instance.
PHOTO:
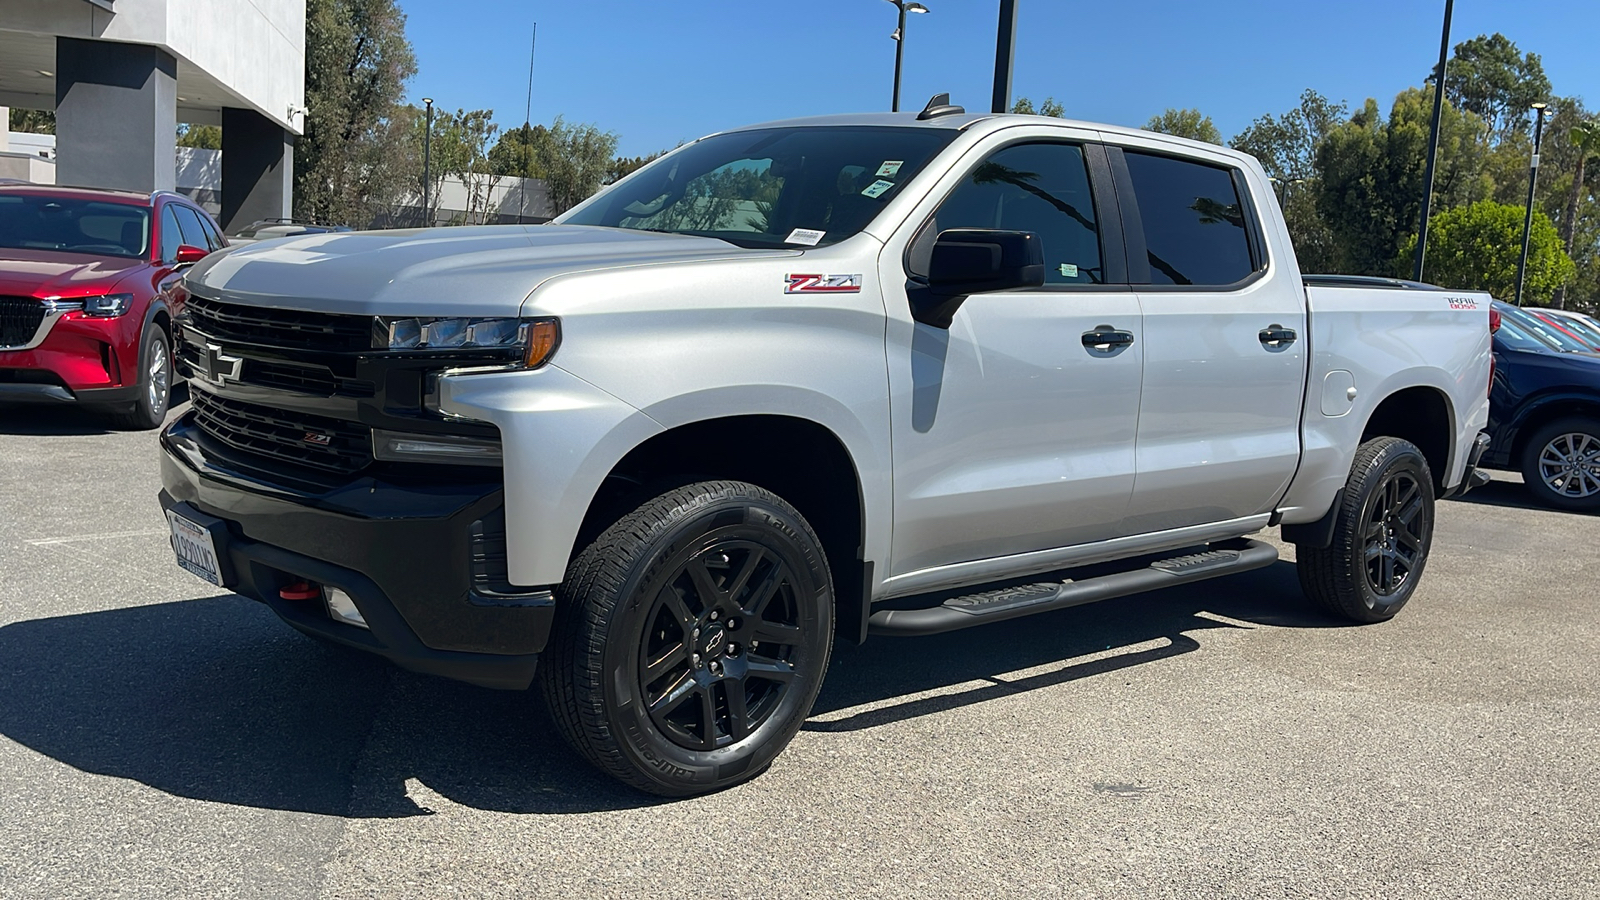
(427, 160)
(1533, 181)
(899, 37)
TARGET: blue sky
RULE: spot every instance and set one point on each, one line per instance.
(661, 72)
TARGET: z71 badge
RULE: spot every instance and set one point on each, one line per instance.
(822, 284)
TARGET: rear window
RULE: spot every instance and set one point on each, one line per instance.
(1194, 222)
(71, 225)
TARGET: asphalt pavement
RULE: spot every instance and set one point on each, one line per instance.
(161, 739)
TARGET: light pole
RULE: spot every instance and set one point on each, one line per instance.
(900, 44)
(1533, 181)
(427, 161)
(1005, 52)
(1433, 142)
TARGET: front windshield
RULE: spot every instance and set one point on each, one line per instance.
(71, 225)
(1529, 323)
(776, 187)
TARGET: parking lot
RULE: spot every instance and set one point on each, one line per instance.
(158, 739)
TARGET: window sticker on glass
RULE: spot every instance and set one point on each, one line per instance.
(1069, 270)
(877, 189)
(890, 169)
(810, 237)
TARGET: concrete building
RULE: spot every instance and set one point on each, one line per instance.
(121, 75)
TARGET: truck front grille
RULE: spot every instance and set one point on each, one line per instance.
(291, 328)
(329, 445)
(19, 320)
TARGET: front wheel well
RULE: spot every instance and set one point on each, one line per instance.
(800, 460)
(1420, 415)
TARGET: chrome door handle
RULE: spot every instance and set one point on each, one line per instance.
(1104, 338)
(1275, 336)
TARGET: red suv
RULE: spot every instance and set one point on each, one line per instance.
(86, 295)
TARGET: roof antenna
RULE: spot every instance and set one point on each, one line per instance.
(938, 106)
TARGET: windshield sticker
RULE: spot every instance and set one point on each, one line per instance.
(890, 169)
(810, 237)
(822, 284)
(1069, 270)
(877, 189)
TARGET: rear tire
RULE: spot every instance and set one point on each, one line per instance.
(155, 383)
(1561, 464)
(690, 639)
(1383, 530)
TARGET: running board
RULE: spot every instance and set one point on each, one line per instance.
(1027, 599)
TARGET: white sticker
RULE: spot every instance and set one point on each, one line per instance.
(890, 169)
(1069, 270)
(810, 237)
(877, 189)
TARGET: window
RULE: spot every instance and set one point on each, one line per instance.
(1194, 223)
(213, 237)
(69, 225)
(194, 234)
(1042, 188)
(171, 237)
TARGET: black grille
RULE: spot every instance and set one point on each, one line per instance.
(19, 319)
(325, 332)
(290, 378)
(285, 436)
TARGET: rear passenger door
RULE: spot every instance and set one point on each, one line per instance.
(1224, 344)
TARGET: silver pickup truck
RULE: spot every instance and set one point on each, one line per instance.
(824, 378)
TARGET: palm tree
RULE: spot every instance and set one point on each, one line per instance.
(1585, 136)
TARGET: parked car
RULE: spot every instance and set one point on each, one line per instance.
(87, 302)
(1544, 413)
(1580, 326)
(801, 381)
(266, 229)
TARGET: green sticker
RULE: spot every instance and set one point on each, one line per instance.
(1069, 270)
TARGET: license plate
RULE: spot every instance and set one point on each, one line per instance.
(194, 548)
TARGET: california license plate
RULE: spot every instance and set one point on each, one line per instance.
(195, 550)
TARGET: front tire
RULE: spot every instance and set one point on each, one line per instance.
(691, 639)
(1382, 533)
(155, 383)
(1561, 465)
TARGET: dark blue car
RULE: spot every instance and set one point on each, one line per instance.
(1544, 411)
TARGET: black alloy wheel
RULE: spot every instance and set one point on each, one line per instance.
(1383, 530)
(691, 638)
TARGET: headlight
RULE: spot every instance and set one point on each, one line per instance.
(108, 306)
(535, 338)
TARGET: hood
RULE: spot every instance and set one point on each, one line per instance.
(44, 273)
(472, 271)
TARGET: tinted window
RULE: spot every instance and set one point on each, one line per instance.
(171, 237)
(1515, 338)
(1194, 226)
(213, 236)
(194, 234)
(1539, 328)
(1042, 188)
(69, 225)
(796, 187)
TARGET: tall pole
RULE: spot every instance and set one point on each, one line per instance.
(1005, 46)
(1533, 181)
(527, 131)
(899, 54)
(1433, 141)
(427, 163)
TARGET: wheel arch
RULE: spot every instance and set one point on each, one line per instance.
(1423, 415)
(1540, 411)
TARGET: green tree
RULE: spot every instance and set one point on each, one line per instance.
(1187, 123)
(1491, 78)
(1477, 248)
(623, 166)
(1287, 146)
(576, 163)
(32, 121)
(204, 137)
(352, 160)
(1050, 107)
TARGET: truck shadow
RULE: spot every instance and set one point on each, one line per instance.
(1509, 495)
(214, 699)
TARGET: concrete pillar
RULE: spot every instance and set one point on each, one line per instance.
(116, 115)
(257, 169)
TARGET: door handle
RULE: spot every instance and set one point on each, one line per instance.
(1276, 336)
(1104, 338)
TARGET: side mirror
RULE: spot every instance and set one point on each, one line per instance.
(968, 261)
(189, 254)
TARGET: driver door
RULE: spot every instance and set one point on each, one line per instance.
(1013, 431)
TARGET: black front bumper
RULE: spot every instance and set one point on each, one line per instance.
(410, 553)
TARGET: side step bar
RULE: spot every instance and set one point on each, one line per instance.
(1027, 599)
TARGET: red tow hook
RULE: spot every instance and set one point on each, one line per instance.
(300, 590)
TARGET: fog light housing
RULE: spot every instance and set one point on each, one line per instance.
(343, 609)
(401, 446)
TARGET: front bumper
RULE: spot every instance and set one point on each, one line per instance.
(410, 553)
(81, 359)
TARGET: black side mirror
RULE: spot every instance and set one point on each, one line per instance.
(968, 261)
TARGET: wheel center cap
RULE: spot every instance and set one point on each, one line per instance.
(714, 641)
